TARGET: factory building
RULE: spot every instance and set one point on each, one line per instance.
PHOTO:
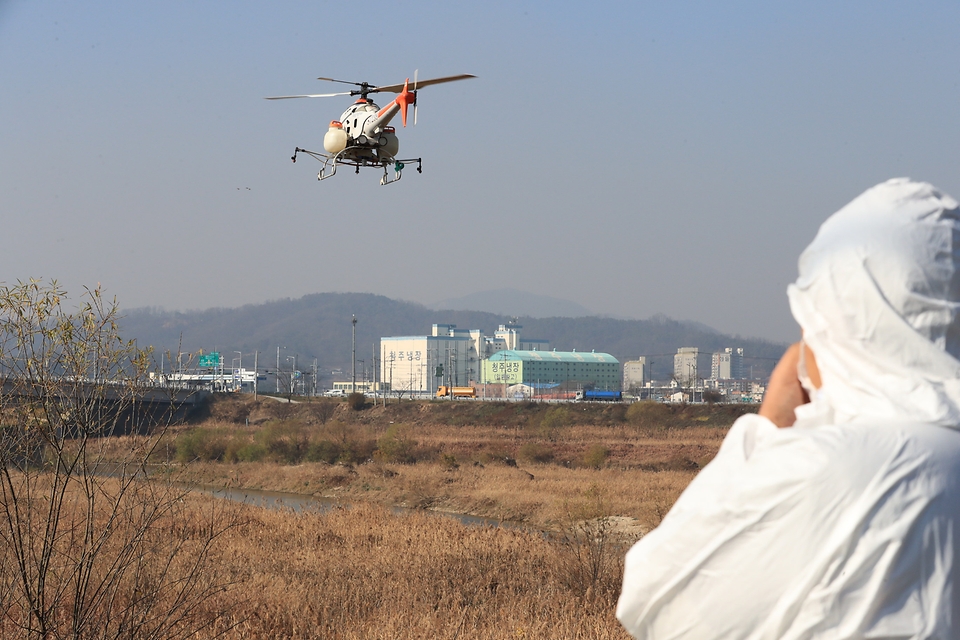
(448, 356)
(411, 363)
(510, 367)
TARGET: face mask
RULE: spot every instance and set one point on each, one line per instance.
(802, 374)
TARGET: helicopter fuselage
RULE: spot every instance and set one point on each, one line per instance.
(369, 138)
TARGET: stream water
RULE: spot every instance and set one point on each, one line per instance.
(298, 503)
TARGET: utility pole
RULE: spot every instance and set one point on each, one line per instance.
(353, 388)
(240, 373)
(256, 356)
(278, 370)
(373, 370)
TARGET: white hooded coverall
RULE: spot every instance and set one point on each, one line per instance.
(846, 525)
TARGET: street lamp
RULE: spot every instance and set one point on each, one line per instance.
(353, 388)
(278, 369)
(293, 372)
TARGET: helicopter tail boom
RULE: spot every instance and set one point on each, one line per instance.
(400, 103)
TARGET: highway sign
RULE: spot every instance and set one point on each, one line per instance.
(210, 360)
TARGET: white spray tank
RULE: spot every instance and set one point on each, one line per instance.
(389, 144)
(335, 139)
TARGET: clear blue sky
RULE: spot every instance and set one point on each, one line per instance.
(634, 157)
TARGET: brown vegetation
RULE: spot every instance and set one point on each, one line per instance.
(585, 480)
(363, 572)
(511, 461)
(136, 560)
(89, 548)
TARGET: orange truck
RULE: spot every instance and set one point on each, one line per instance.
(457, 392)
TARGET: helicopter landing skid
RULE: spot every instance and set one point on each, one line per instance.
(398, 170)
(331, 162)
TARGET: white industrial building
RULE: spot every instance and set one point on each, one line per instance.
(412, 363)
(634, 373)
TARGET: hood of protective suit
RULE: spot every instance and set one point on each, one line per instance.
(848, 524)
(878, 298)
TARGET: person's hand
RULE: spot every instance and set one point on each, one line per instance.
(784, 393)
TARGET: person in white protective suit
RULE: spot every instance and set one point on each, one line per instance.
(846, 525)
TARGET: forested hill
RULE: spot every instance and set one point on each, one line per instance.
(319, 326)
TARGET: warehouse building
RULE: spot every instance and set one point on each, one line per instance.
(509, 367)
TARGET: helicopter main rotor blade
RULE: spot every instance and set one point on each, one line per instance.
(356, 84)
(397, 88)
(313, 95)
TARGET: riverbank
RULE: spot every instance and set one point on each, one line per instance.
(521, 462)
(582, 482)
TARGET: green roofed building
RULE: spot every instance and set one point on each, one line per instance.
(601, 370)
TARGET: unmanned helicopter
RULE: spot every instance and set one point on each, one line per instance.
(362, 136)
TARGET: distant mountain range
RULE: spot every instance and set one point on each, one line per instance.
(319, 326)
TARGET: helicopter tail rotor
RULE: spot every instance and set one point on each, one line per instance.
(416, 72)
(405, 98)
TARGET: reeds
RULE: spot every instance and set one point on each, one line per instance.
(126, 560)
(583, 483)
(362, 572)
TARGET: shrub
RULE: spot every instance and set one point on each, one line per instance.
(359, 450)
(554, 418)
(323, 450)
(283, 441)
(595, 456)
(250, 452)
(536, 452)
(396, 446)
(615, 414)
(648, 414)
(356, 401)
(201, 444)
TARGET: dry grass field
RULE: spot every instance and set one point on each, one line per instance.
(520, 462)
(363, 572)
(579, 483)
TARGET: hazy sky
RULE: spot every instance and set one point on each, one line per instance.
(634, 157)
